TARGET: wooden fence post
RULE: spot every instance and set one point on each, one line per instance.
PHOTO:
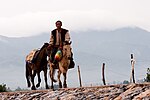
(103, 74)
(132, 69)
(79, 76)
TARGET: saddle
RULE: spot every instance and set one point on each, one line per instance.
(72, 63)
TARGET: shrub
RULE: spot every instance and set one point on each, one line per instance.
(148, 75)
(3, 88)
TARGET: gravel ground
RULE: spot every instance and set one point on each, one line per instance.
(111, 92)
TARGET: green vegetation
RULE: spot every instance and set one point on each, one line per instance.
(3, 88)
(147, 79)
(125, 82)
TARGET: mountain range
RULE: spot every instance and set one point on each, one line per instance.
(91, 48)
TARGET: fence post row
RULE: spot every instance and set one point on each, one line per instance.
(132, 78)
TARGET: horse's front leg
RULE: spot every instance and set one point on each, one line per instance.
(39, 80)
(45, 76)
(60, 84)
(65, 77)
(51, 72)
(32, 80)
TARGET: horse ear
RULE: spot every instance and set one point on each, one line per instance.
(46, 44)
(70, 42)
(67, 43)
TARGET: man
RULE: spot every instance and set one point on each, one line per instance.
(57, 38)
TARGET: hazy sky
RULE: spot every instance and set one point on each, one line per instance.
(31, 17)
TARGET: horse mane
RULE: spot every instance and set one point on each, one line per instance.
(44, 46)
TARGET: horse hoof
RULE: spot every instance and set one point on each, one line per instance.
(33, 88)
(65, 85)
(47, 87)
(60, 85)
(38, 85)
(29, 84)
(52, 87)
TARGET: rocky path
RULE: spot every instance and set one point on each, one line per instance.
(111, 92)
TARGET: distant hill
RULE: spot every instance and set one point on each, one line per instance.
(15, 49)
(91, 48)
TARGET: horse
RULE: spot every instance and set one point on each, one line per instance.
(39, 64)
(63, 66)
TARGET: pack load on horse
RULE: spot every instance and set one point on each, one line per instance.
(32, 55)
(36, 62)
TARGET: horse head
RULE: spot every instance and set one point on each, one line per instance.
(67, 50)
(43, 52)
(45, 48)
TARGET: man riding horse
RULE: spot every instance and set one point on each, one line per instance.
(58, 37)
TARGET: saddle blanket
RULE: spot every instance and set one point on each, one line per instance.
(30, 56)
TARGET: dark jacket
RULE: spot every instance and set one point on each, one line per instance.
(63, 33)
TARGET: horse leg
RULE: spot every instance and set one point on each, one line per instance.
(51, 76)
(60, 84)
(39, 80)
(45, 76)
(65, 77)
(27, 74)
(32, 80)
(52, 70)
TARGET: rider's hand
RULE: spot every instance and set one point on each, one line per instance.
(60, 47)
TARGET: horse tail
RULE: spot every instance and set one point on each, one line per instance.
(27, 74)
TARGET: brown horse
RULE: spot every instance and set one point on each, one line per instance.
(63, 66)
(39, 64)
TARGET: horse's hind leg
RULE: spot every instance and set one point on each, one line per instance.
(32, 80)
(65, 77)
(39, 80)
(60, 84)
(28, 74)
